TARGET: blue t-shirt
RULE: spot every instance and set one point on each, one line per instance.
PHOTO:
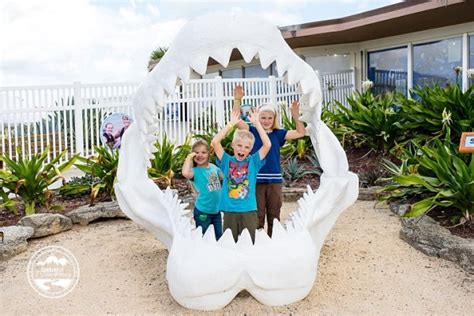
(207, 183)
(239, 185)
(271, 170)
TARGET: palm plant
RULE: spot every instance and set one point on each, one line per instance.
(102, 169)
(30, 178)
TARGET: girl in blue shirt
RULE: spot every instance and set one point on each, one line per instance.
(270, 179)
(206, 180)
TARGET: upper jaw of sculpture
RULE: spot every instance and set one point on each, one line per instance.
(204, 273)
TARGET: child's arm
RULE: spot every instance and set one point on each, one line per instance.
(238, 95)
(216, 141)
(266, 144)
(187, 170)
(300, 131)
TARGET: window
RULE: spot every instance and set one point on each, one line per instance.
(256, 71)
(435, 62)
(471, 56)
(387, 69)
(330, 63)
(232, 73)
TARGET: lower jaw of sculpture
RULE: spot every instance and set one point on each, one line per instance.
(206, 275)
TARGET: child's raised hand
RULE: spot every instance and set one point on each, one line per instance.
(235, 117)
(253, 116)
(191, 155)
(238, 93)
(295, 108)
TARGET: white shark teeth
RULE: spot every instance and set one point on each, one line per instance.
(282, 64)
(199, 64)
(307, 85)
(261, 237)
(266, 58)
(222, 55)
(294, 74)
(196, 234)
(278, 231)
(159, 97)
(244, 241)
(227, 240)
(184, 73)
(248, 52)
(314, 98)
(168, 83)
(210, 235)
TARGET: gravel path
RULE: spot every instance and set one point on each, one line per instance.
(364, 269)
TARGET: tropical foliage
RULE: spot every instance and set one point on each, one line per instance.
(101, 169)
(29, 178)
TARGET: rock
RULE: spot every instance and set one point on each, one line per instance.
(14, 240)
(399, 209)
(368, 194)
(86, 214)
(46, 224)
(293, 194)
(426, 235)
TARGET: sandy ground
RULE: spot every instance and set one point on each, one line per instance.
(364, 269)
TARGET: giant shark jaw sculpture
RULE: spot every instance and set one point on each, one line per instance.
(203, 273)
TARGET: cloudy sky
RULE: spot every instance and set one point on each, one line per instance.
(96, 41)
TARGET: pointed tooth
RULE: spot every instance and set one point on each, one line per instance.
(266, 58)
(248, 52)
(244, 240)
(290, 228)
(294, 75)
(169, 83)
(278, 230)
(196, 234)
(159, 96)
(199, 64)
(184, 73)
(147, 163)
(227, 240)
(282, 65)
(222, 55)
(261, 237)
(210, 235)
(307, 85)
(314, 98)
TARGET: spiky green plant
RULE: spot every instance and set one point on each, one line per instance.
(30, 178)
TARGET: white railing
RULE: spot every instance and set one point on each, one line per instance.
(69, 117)
(337, 87)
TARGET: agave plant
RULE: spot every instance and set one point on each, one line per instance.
(102, 169)
(30, 178)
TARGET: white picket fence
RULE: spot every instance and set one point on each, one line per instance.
(69, 117)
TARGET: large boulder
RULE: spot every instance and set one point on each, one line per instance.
(86, 214)
(426, 235)
(14, 240)
(46, 224)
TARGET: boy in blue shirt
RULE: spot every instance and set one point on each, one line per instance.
(238, 198)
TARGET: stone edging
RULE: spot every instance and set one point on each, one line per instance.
(45, 224)
(427, 236)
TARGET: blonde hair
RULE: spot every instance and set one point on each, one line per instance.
(201, 142)
(243, 135)
(266, 107)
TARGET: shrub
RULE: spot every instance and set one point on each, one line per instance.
(372, 121)
(30, 178)
(433, 109)
(102, 170)
(294, 147)
(168, 161)
(435, 176)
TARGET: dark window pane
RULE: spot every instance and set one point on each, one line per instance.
(232, 73)
(435, 62)
(256, 71)
(388, 70)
